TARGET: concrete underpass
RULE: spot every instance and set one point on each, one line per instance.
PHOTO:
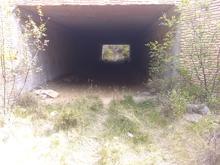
(77, 34)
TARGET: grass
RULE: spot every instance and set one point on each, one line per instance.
(120, 125)
(129, 128)
(27, 100)
(130, 120)
(79, 113)
(205, 125)
(109, 155)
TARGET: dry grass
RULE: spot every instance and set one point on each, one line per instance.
(123, 133)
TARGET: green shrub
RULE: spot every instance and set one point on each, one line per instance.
(27, 100)
(119, 125)
(214, 103)
(178, 103)
(67, 119)
(141, 138)
(80, 113)
(92, 103)
(206, 125)
(109, 155)
(174, 103)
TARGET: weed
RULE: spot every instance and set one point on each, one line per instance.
(92, 103)
(81, 112)
(67, 119)
(126, 119)
(119, 125)
(27, 100)
(109, 155)
(178, 103)
(141, 138)
(147, 112)
(205, 125)
(32, 112)
(174, 103)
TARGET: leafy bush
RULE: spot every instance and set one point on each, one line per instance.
(174, 103)
(160, 56)
(178, 103)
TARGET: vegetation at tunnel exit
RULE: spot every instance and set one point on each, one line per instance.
(115, 53)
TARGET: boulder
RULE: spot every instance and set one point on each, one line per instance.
(198, 108)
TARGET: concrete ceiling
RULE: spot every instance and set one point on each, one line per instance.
(133, 17)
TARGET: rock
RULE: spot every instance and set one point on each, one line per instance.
(46, 93)
(198, 108)
(204, 111)
(193, 117)
(143, 96)
(130, 135)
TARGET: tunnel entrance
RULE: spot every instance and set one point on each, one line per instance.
(77, 35)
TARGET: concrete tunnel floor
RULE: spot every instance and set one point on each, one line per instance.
(77, 33)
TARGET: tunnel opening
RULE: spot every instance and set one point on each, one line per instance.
(78, 34)
(115, 53)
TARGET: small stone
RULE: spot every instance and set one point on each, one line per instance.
(130, 135)
(194, 118)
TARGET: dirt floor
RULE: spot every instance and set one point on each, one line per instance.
(69, 90)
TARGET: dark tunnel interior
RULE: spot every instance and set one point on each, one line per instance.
(76, 35)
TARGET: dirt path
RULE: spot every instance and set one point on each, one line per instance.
(70, 91)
